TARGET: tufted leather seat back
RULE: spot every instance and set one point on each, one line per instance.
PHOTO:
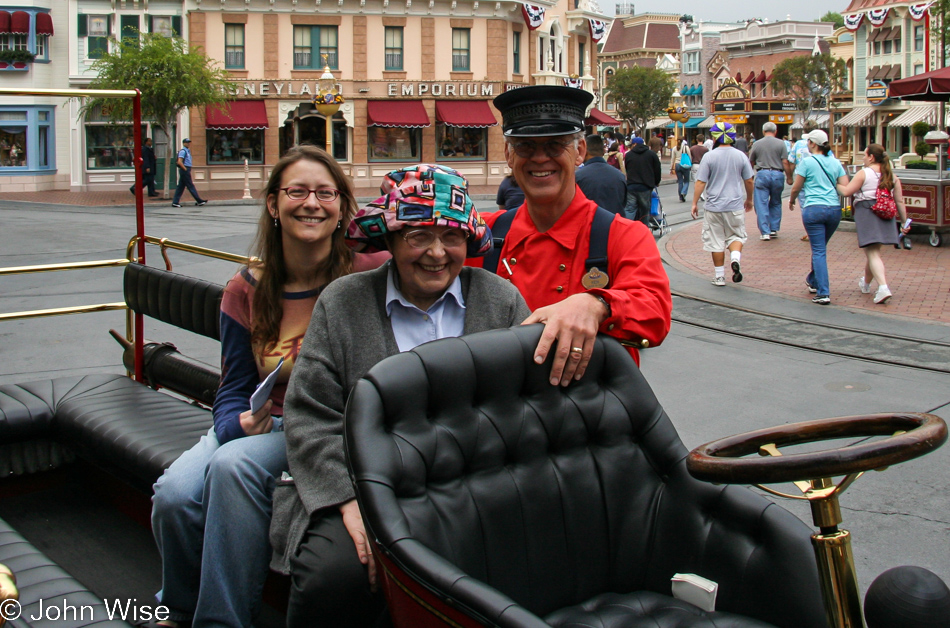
(178, 300)
(554, 495)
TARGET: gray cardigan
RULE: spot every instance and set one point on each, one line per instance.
(349, 333)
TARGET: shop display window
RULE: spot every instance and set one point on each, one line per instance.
(394, 144)
(233, 146)
(460, 143)
(12, 146)
(110, 146)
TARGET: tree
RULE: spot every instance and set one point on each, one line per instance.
(170, 77)
(809, 80)
(641, 94)
(833, 17)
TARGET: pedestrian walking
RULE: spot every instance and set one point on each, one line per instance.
(656, 144)
(798, 152)
(873, 230)
(148, 168)
(816, 179)
(742, 144)
(767, 156)
(643, 176)
(681, 164)
(599, 181)
(183, 163)
(509, 194)
(725, 176)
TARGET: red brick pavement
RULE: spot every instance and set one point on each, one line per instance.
(919, 278)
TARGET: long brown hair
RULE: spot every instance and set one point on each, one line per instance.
(268, 246)
(879, 155)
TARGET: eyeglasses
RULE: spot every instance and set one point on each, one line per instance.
(326, 195)
(423, 238)
(552, 148)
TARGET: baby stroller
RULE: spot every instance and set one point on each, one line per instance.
(657, 221)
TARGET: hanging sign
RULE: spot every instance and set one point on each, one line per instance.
(533, 15)
(918, 11)
(876, 92)
(853, 21)
(877, 17)
(598, 29)
(782, 118)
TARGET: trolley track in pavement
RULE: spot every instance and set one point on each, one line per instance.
(871, 346)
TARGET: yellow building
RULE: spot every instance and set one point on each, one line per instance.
(417, 77)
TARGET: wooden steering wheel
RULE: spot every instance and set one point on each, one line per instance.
(911, 435)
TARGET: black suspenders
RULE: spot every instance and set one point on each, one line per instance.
(599, 235)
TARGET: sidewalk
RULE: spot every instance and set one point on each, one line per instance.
(233, 197)
(919, 278)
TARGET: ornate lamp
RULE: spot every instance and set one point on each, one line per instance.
(677, 112)
(328, 100)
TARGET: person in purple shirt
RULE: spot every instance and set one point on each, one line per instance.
(220, 491)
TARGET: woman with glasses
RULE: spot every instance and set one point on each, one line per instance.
(211, 509)
(428, 222)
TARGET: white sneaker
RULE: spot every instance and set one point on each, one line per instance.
(882, 295)
(765, 236)
(865, 288)
(718, 281)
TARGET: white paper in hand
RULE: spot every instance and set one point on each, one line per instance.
(262, 392)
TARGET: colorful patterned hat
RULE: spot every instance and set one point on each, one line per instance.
(723, 133)
(419, 196)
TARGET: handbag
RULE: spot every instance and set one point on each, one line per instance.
(885, 207)
(685, 161)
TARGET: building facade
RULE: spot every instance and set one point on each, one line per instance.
(34, 144)
(417, 78)
(701, 62)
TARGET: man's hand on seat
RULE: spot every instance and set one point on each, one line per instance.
(353, 520)
(573, 323)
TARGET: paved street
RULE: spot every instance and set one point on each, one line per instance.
(711, 384)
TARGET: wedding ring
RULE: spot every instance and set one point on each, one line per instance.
(577, 350)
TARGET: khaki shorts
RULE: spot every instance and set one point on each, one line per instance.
(720, 229)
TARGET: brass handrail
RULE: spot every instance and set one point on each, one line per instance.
(60, 311)
(164, 244)
(46, 268)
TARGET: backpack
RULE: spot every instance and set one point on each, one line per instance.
(613, 160)
(885, 207)
(685, 161)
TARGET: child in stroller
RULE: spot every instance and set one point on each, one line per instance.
(657, 221)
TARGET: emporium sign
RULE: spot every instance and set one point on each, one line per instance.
(876, 92)
(306, 89)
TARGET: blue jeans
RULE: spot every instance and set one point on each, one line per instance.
(768, 200)
(820, 223)
(210, 515)
(682, 180)
(184, 181)
(639, 200)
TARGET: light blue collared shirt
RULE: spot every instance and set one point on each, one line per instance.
(411, 326)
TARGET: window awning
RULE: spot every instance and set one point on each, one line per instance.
(738, 77)
(875, 73)
(925, 113)
(20, 23)
(656, 123)
(707, 123)
(409, 114)
(4, 22)
(470, 114)
(761, 78)
(894, 72)
(751, 78)
(699, 90)
(599, 118)
(44, 24)
(859, 116)
(821, 119)
(236, 115)
(692, 123)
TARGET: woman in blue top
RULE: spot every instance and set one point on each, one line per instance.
(819, 176)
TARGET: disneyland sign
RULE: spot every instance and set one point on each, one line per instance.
(441, 89)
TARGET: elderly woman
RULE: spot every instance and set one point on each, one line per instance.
(817, 177)
(429, 224)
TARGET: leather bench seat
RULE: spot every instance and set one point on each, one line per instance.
(39, 578)
(644, 609)
(113, 421)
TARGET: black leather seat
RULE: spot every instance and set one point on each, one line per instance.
(127, 428)
(39, 578)
(506, 499)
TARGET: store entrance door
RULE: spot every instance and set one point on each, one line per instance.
(312, 130)
(160, 144)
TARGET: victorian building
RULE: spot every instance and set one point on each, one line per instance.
(701, 61)
(34, 143)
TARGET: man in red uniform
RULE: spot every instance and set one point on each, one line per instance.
(545, 249)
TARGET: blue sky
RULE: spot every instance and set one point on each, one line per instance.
(734, 10)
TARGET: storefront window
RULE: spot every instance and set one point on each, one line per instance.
(109, 146)
(233, 147)
(339, 140)
(394, 144)
(12, 146)
(460, 143)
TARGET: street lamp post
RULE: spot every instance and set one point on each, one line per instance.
(328, 100)
(678, 113)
